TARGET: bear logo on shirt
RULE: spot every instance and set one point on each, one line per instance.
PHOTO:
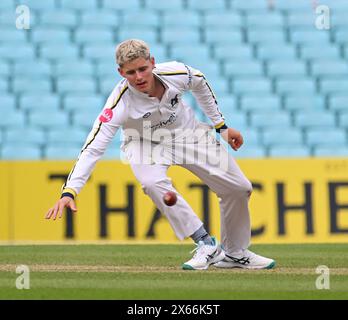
(174, 101)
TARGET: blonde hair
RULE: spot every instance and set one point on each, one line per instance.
(131, 49)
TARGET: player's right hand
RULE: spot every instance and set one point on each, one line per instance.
(57, 209)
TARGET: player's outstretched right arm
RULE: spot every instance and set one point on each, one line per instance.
(57, 209)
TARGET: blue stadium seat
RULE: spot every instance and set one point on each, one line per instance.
(48, 120)
(66, 136)
(12, 35)
(79, 4)
(311, 119)
(330, 151)
(339, 102)
(3, 85)
(16, 51)
(83, 102)
(246, 152)
(231, 51)
(94, 36)
(182, 51)
(40, 5)
(107, 84)
(312, 36)
(66, 152)
(295, 86)
(50, 35)
(14, 118)
(273, 51)
(262, 19)
(43, 102)
(20, 152)
(142, 18)
(300, 102)
(250, 5)
(149, 35)
(341, 36)
(107, 69)
(278, 119)
(76, 84)
(286, 68)
(29, 68)
(319, 52)
(227, 102)
(343, 119)
(282, 137)
(266, 35)
(29, 85)
(160, 52)
(339, 19)
(260, 102)
(252, 86)
(251, 136)
(333, 85)
(300, 6)
(7, 102)
(5, 68)
(181, 19)
(243, 67)
(329, 68)
(74, 67)
(84, 120)
(100, 18)
(238, 118)
(164, 5)
(55, 52)
(121, 5)
(58, 18)
(219, 85)
(334, 137)
(183, 35)
(8, 17)
(222, 35)
(287, 152)
(299, 20)
(98, 52)
(226, 19)
(7, 4)
(27, 135)
(206, 5)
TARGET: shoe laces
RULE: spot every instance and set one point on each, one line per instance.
(200, 249)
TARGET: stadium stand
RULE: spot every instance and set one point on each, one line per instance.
(277, 77)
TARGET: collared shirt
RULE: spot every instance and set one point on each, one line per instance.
(143, 116)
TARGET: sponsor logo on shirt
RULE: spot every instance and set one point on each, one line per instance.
(146, 115)
(174, 101)
(106, 116)
(161, 124)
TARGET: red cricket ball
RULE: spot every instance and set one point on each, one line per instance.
(170, 198)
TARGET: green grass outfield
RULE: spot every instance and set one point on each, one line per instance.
(154, 272)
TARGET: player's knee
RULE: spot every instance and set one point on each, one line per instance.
(247, 188)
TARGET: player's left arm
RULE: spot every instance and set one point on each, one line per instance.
(206, 99)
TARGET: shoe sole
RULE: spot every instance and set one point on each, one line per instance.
(230, 266)
(216, 259)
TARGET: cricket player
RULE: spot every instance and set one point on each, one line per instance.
(161, 130)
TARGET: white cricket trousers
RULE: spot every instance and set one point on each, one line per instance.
(229, 183)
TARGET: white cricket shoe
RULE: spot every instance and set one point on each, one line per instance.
(204, 255)
(246, 260)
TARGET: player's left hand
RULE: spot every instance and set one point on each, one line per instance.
(233, 137)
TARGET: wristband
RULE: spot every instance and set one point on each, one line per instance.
(67, 194)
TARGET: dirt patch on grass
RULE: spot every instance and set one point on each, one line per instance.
(159, 269)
